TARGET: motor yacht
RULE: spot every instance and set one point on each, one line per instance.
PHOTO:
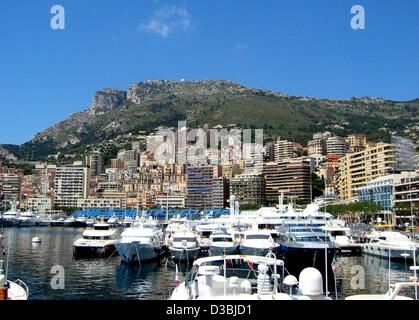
(204, 232)
(390, 243)
(184, 246)
(139, 243)
(12, 290)
(222, 244)
(127, 222)
(70, 222)
(342, 238)
(9, 218)
(234, 277)
(310, 246)
(27, 219)
(258, 243)
(99, 240)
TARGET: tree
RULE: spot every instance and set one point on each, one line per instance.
(317, 185)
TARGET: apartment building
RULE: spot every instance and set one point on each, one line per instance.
(248, 189)
(71, 184)
(357, 169)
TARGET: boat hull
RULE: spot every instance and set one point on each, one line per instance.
(8, 223)
(184, 255)
(83, 251)
(218, 251)
(253, 251)
(349, 250)
(396, 254)
(133, 253)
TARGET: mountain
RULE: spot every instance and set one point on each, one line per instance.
(150, 104)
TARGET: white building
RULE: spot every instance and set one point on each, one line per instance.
(99, 203)
(173, 200)
(71, 184)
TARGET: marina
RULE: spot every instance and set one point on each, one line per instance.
(159, 259)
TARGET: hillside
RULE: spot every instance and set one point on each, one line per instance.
(150, 104)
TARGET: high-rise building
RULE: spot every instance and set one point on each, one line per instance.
(220, 192)
(94, 160)
(406, 192)
(269, 152)
(356, 142)
(292, 177)
(71, 183)
(248, 189)
(336, 145)
(356, 169)
(10, 186)
(199, 187)
(283, 149)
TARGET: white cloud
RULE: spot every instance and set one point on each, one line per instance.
(166, 19)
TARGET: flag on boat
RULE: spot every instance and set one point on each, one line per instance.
(334, 266)
(177, 277)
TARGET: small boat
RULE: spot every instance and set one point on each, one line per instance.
(27, 219)
(12, 290)
(9, 218)
(222, 244)
(57, 222)
(204, 232)
(43, 221)
(341, 236)
(258, 243)
(127, 222)
(70, 222)
(99, 240)
(139, 243)
(36, 239)
(113, 221)
(90, 222)
(393, 244)
(80, 222)
(184, 246)
(234, 277)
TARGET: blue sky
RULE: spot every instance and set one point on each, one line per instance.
(304, 48)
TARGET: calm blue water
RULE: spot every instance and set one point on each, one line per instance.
(109, 279)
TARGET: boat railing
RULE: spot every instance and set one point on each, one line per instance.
(23, 285)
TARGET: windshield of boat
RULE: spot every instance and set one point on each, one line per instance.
(180, 239)
(101, 227)
(222, 239)
(97, 237)
(338, 233)
(257, 237)
(306, 230)
(312, 238)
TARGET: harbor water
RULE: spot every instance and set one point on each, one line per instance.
(37, 265)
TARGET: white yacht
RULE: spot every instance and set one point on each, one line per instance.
(235, 277)
(43, 221)
(204, 232)
(12, 290)
(393, 244)
(113, 221)
(174, 225)
(70, 222)
(222, 244)
(9, 218)
(258, 243)
(184, 246)
(27, 219)
(139, 243)
(127, 222)
(99, 240)
(342, 238)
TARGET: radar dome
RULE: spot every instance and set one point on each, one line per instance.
(311, 282)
